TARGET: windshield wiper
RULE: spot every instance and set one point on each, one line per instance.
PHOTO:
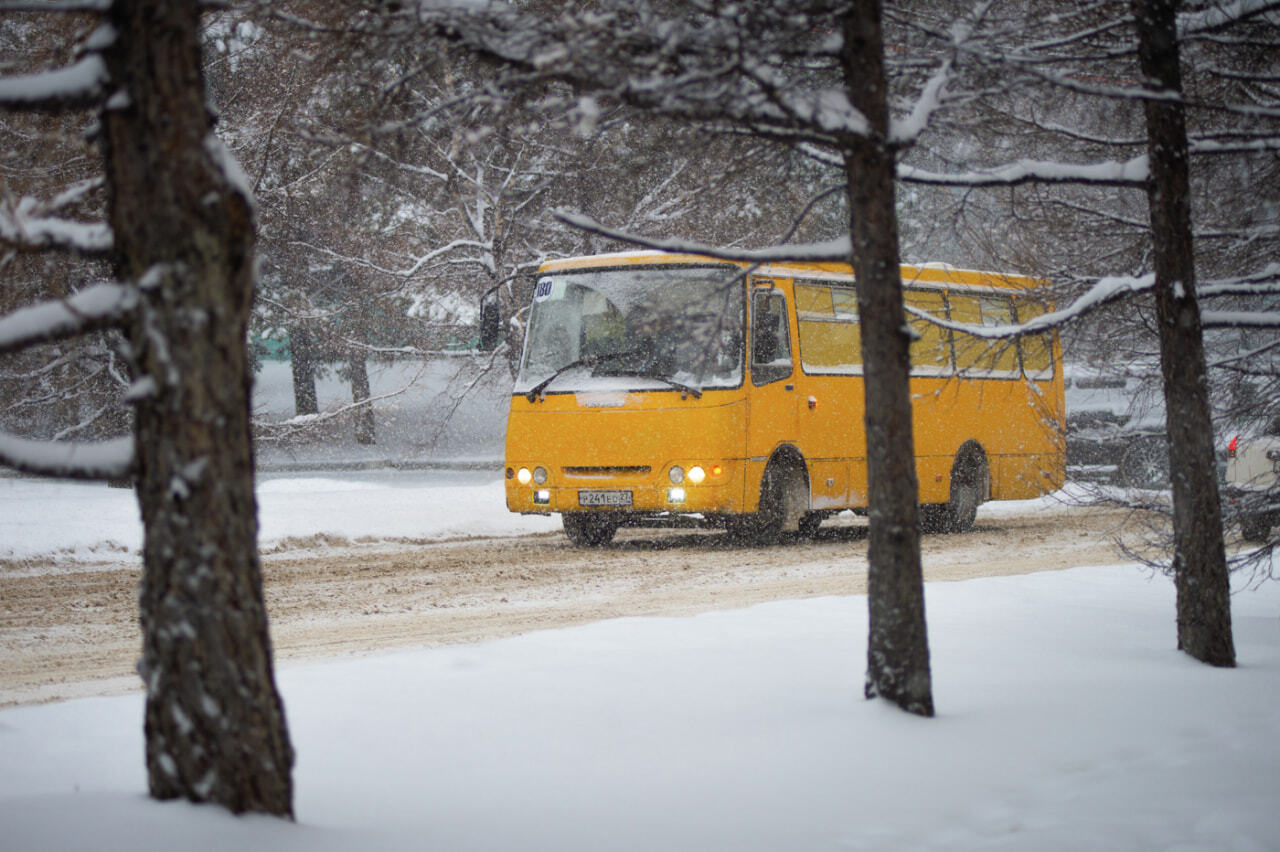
(696, 393)
(534, 392)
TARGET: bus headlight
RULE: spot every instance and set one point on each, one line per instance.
(697, 474)
(675, 495)
(540, 475)
(676, 474)
(542, 497)
(524, 476)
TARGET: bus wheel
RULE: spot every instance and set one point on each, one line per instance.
(784, 501)
(969, 484)
(764, 527)
(933, 517)
(962, 508)
(589, 529)
(809, 523)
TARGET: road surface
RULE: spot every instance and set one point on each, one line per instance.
(74, 633)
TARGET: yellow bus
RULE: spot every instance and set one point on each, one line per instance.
(658, 389)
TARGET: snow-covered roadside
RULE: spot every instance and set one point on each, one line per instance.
(47, 521)
(1067, 721)
(43, 521)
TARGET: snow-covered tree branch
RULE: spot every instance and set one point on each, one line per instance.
(1130, 173)
(1104, 292)
(97, 307)
(101, 460)
(832, 250)
(25, 225)
(78, 85)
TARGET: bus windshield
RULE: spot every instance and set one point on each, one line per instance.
(635, 328)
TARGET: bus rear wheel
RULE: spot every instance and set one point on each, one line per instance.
(809, 523)
(969, 483)
(589, 529)
(962, 508)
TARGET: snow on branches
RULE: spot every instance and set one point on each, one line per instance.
(24, 224)
(1133, 172)
(80, 84)
(101, 460)
(96, 307)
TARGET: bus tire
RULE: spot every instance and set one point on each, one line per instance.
(762, 527)
(933, 517)
(970, 485)
(589, 529)
(784, 502)
(810, 522)
(962, 507)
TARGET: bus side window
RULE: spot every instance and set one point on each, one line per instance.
(830, 337)
(998, 357)
(931, 350)
(1037, 349)
(770, 338)
(998, 310)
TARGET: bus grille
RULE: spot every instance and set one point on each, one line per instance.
(606, 472)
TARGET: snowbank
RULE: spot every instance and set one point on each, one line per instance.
(1067, 721)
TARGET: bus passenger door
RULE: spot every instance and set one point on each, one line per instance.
(772, 410)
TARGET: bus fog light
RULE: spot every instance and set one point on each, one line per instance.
(697, 474)
(676, 474)
(540, 475)
(524, 476)
(542, 496)
(675, 495)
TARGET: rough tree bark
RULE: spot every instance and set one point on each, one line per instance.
(898, 646)
(184, 227)
(1199, 559)
(360, 392)
(302, 363)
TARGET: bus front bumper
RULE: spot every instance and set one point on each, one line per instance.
(718, 494)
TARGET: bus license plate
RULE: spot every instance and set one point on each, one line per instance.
(604, 498)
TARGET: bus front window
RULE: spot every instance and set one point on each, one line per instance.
(635, 328)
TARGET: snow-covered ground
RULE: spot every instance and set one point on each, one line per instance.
(440, 411)
(1067, 719)
(93, 522)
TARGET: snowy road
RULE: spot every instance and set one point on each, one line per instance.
(741, 728)
(70, 628)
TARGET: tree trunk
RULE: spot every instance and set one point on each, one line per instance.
(302, 362)
(360, 393)
(184, 228)
(1199, 559)
(898, 646)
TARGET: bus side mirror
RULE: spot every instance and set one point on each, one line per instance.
(490, 321)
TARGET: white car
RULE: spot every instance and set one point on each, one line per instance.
(1252, 487)
(1115, 428)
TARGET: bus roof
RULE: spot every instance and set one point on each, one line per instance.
(929, 273)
